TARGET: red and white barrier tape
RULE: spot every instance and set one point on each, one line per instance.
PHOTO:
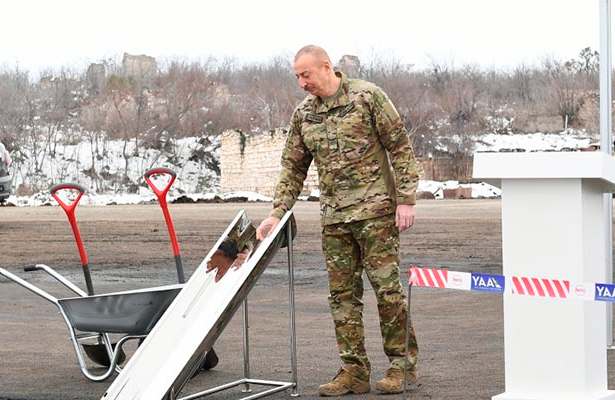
(516, 285)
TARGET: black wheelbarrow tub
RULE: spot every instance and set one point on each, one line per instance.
(132, 312)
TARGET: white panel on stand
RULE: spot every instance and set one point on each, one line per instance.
(174, 349)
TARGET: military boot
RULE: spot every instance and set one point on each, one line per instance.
(393, 381)
(349, 379)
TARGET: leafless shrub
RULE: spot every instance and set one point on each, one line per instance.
(206, 98)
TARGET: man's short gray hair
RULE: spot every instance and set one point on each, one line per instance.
(314, 50)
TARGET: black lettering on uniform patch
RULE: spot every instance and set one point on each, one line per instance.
(346, 110)
(314, 118)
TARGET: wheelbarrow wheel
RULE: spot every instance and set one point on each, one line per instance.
(98, 354)
(211, 360)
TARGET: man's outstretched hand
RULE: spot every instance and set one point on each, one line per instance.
(266, 227)
(220, 261)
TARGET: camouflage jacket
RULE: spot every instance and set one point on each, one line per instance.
(362, 151)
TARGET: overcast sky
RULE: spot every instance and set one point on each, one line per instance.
(501, 33)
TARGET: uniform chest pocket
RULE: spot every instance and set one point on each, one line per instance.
(312, 135)
(355, 135)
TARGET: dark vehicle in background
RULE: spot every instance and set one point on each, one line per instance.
(5, 177)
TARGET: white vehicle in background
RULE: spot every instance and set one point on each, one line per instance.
(5, 177)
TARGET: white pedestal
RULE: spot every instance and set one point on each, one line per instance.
(553, 227)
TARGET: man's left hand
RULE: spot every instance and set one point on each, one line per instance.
(404, 216)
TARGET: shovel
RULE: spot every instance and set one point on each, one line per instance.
(161, 194)
(96, 352)
(69, 209)
(211, 358)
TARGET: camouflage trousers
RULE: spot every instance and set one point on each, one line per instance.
(372, 246)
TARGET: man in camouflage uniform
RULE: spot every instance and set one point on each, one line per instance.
(368, 179)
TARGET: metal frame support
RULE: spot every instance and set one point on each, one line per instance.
(246, 347)
(278, 386)
(291, 309)
(408, 325)
(606, 141)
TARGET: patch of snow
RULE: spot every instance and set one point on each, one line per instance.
(251, 196)
(480, 190)
(531, 142)
(314, 194)
(432, 187)
(93, 199)
(484, 190)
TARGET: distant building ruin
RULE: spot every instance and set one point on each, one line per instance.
(95, 77)
(139, 67)
(350, 65)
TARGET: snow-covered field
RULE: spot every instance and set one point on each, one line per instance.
(109, 177)
(113, 180)
(143, 197)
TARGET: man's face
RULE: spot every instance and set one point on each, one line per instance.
(312, 74)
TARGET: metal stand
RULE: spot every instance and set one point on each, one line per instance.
(408, 325)
(278, 386)
(246, 347)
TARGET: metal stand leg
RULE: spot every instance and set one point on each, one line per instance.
(408, 325)
(246, 347)
(291, 310)
(277, 386)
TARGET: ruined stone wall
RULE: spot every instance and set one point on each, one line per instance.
(447, 167)
(257, 167)
(252, 162)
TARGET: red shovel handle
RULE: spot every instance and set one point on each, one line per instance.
(162, 200)
(69, 209)
(67, 186)
(160, 193)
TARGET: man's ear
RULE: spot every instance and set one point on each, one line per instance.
(327, 65)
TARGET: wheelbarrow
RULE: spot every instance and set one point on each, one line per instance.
(94, 317)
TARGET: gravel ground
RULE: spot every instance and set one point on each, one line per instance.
(460, 334)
